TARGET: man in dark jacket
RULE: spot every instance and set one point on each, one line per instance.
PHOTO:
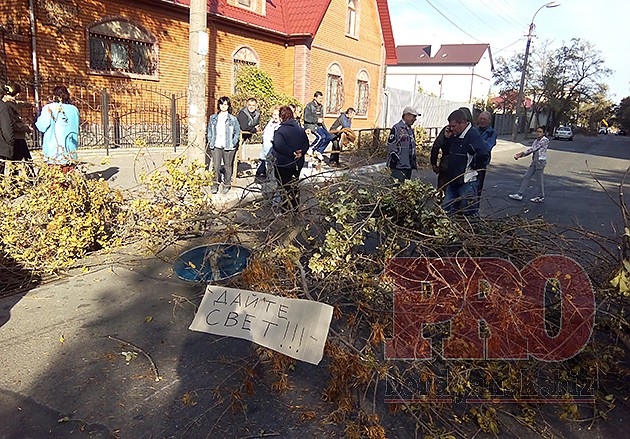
(467, 153)
(489, 136)
(290, 144)
(249, 119)
(314, 113)
(7, 135)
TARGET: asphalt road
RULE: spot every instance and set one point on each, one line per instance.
(582, 181)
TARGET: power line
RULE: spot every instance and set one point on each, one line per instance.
(452, 22)
(502, 15)
(508, 46)
(478, 17)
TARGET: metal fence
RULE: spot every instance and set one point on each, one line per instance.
(122, 115)
(434, 111)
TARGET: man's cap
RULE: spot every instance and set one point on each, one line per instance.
(411, 110)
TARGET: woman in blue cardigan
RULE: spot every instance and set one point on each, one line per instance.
(223, 136)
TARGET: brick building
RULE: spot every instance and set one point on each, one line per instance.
(337, 46)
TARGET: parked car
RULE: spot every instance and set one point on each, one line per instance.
(621, 132)
(563, 133)
(602, 130)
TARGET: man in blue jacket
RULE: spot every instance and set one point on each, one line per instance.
(467, 153)
(489, 136)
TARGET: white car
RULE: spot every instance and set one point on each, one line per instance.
(563, 133)
(602, 130)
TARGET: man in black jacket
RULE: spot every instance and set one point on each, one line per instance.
(314, 113)
(7, 135)
(467, 153)
(249, 119)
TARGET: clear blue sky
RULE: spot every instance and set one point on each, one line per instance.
(504, 25)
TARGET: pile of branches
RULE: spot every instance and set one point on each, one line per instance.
(337, 250)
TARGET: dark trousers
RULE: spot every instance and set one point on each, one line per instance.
(226, 158)
(289, 177)
(20, 150)
(481, 176)
(336, 146)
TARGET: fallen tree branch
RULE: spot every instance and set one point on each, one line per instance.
(140, 350)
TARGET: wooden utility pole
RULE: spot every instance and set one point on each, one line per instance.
(197, 80)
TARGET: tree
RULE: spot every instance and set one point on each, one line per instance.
(622, 113)
(254, 82)
(558, 80)
(572, 76)
(595, 108)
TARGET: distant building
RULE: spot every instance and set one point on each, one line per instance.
(455, 72)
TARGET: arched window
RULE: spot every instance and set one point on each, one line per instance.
(241, 58)
(351, 20)
(362, 95)
(121, 46)
(334, 89)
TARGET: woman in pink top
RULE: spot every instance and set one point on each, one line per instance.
(536, 168)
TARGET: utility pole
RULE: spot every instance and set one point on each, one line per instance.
(521, 88)
(197, 80)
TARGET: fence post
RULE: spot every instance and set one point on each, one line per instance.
(376, 138)
(117, 131)
(105, 119)
(174, 122)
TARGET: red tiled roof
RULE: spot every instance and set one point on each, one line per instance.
(466, 54)
(293, 18)
(391, 59)
(304, 17)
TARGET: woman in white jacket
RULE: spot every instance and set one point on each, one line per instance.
(267, 142)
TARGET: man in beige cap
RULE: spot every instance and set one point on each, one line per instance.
(401, 146)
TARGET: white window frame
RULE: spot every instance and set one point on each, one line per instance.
(363, 80)
(352, 19)
(334, 90)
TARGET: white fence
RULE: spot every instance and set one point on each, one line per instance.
(434, 111)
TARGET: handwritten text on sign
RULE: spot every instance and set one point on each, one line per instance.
(295, 327)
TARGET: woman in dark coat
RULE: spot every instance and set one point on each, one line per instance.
(290, 144)
(21, 130)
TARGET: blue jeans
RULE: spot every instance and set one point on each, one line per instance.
(461, 198)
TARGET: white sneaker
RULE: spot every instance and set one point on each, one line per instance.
(518, 197)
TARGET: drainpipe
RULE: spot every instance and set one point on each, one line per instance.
(472, 83)
(31, 11)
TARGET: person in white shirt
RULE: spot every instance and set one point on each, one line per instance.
(536, 168)
(267, 141)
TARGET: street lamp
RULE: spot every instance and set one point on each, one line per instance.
(530, 35)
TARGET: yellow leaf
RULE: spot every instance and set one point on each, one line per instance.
(62, 339)
(147, 319)
(84, 269)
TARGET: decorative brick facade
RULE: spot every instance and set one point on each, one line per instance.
(297, 59)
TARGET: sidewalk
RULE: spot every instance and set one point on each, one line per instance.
(63, 375)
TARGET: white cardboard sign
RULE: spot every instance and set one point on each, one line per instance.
(295, 327)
